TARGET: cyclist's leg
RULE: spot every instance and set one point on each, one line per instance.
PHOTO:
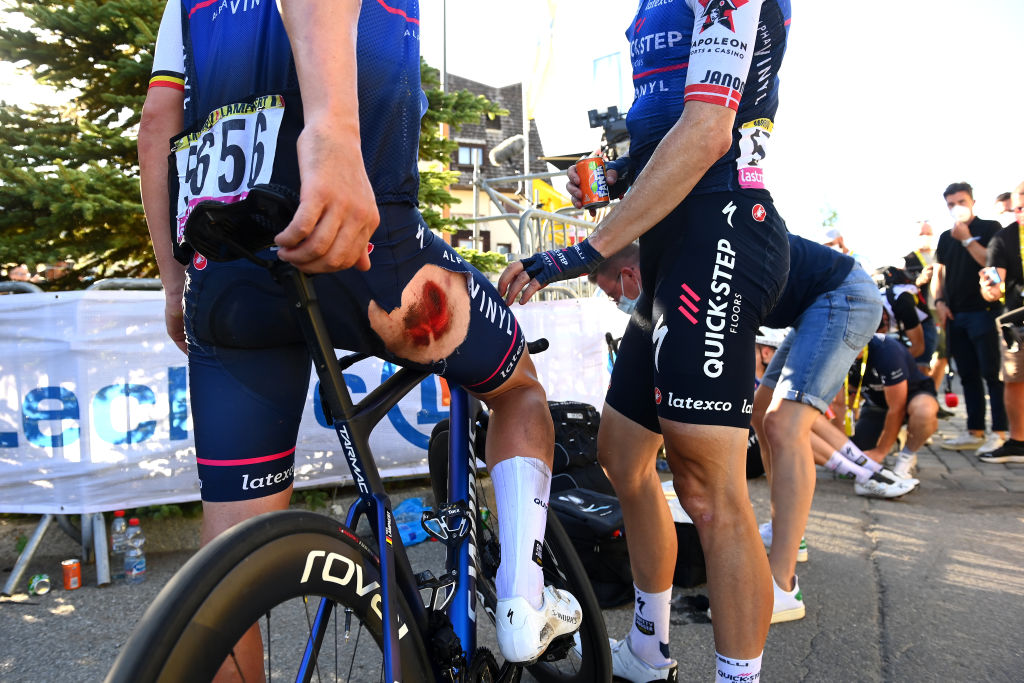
(248, 384)
(711, 289)
(429, 308)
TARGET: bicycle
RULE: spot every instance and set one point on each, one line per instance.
(316, 564)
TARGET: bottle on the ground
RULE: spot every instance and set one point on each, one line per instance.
(118, 534)
(134, 556)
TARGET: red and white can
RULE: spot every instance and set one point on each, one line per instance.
(72, 574)
(592, 182)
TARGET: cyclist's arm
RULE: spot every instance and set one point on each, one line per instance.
(337, 213)
(896, 400)
(162, 118)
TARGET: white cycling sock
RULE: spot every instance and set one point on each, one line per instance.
(837, 463)
(851, 452)
(648, 638)
(521, 488)
(730, 670)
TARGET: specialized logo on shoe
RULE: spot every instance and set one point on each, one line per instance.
(538, 553)
(759, 213)
(509, 615)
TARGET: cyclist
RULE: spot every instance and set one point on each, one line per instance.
(324, 98)
(713, 260)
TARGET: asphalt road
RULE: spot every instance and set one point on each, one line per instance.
(929, 587)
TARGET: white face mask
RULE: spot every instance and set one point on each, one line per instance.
(625, 304)
(961, 214)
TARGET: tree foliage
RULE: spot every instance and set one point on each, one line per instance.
(69, 173)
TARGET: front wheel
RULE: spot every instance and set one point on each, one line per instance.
(272, 571)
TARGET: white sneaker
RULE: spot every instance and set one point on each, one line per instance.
(881, 486)
(626, 665)
(964, 442)
(905, 465)
(993, 442)
(524, 632)
(766, 538)
(789, 605)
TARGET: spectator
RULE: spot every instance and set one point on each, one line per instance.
(909, 316)
(1004, 254)
(920, 266)
(969, 319)
(1004, 210)
(833, 239)
(833, 308)
(895, 392)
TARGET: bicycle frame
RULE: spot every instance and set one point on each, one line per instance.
(353, 424)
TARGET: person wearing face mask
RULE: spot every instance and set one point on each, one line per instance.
(619, 277)
(970, 321)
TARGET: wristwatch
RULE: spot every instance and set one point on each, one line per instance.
(967, 242)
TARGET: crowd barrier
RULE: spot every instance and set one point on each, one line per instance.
(94, 411)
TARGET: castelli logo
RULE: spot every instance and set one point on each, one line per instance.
(369, 247)
(199, 261)
(758, 213)
(657, 396)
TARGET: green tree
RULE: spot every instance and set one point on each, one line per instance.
(69, 174)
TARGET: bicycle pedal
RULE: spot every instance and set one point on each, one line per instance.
(449, 524)
(559, 648)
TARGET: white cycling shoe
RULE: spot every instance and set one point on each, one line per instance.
(626, 665)
(524, 633)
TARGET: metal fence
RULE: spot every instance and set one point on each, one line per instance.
(537, 230)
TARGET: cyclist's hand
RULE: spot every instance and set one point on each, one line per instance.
(530, 275)
(573, 186)
(174, 318)
(337, 210)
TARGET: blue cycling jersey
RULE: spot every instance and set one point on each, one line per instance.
(230, 56)
(725, 52)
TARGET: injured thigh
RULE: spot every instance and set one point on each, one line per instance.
(432, 320)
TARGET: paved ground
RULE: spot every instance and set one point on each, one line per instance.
(930, 587)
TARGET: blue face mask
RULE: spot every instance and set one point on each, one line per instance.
(625, 304)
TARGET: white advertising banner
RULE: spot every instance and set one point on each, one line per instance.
(94, 410)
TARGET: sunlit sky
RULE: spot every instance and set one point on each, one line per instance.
(883, 104)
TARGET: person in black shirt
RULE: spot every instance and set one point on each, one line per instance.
(1005, 254)
(895, 391)
(969, 319)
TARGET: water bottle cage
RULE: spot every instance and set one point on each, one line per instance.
(444, 584)
(449, 525)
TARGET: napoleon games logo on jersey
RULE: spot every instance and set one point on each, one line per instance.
(720, 12)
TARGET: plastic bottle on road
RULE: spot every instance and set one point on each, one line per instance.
(134, 556)
(118, 532)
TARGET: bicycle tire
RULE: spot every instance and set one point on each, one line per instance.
(562, 569)
(229, 584)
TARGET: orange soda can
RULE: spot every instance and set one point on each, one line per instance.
(592, 182)
(72, 574)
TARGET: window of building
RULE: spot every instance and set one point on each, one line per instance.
(467, 156)
(492, 123)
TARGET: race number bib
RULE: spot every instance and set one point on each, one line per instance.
(232, 152)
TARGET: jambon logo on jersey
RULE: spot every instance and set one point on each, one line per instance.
(718, 309)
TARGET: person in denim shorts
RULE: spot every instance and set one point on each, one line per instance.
(833, 308)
